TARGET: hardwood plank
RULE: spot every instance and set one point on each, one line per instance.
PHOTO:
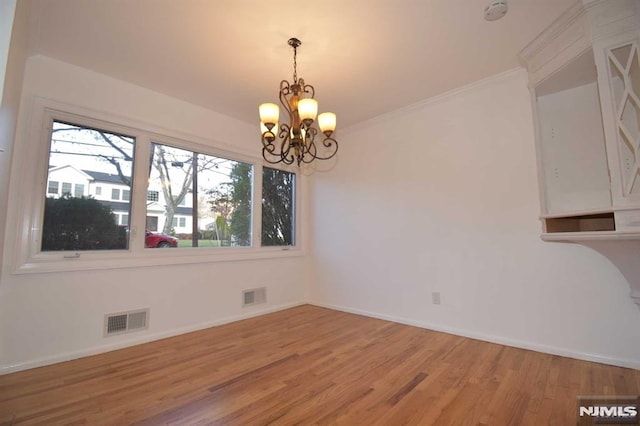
(310, 365)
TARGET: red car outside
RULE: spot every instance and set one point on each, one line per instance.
(159, 240)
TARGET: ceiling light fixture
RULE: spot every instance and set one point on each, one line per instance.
(295, 141)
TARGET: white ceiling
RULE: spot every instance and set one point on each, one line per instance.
(364, 57)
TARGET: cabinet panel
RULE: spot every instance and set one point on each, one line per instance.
(576, 176)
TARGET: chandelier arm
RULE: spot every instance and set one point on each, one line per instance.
(332, 145)
(310, 140)
(266, 158)
(267, 142)
(285, 91)
(269, 146)
(268, 150)
(312, 150)
(285, 145)
(307, 88)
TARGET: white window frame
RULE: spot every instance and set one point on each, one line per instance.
(28, 257)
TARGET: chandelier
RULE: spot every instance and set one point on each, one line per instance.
(295, 141)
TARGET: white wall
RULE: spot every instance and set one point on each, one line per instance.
(443, 197)
(51, 317)
(13, 55)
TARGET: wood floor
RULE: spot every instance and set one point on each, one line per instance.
(310, 365)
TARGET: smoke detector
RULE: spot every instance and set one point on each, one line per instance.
(495, 10)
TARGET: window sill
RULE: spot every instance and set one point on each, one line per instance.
(148, 258)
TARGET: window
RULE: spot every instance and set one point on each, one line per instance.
(66, 188)
(181, 201)
(213, 210)
(278, 207)
(78, 223)
(152, 223)
(53, 187)
(222, 207)
(78, 190)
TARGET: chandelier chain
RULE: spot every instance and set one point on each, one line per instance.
(295, 65)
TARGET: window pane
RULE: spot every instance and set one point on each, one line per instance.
(78, 190)
(66, 188)
(152, 195)
(223, 197)
(98, 190)
(225, 200)
(85, 157)
(126, 195)
(115, 194)
(278, 207)
(53, 187)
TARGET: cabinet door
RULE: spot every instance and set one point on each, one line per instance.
(623, 74)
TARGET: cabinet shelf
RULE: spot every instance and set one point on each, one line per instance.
(590, 236)
(601, 222)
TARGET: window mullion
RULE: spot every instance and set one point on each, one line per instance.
(257, 206)
(138, 195)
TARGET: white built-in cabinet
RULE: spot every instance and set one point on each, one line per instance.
(584, 77)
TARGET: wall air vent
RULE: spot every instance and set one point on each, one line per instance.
(124, 322)
(255, 296)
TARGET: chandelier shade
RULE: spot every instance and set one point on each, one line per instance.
(295, 141)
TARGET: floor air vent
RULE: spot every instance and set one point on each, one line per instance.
(125, 322)
(255, 296)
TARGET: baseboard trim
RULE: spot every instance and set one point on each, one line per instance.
(68, 356)
(552, 350)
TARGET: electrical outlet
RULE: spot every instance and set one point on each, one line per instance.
(435, 297)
